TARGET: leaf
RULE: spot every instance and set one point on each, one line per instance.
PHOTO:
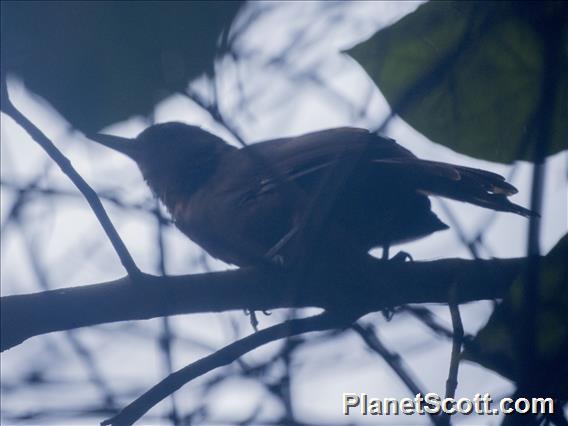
(101, 62)
(468, 75)
(496, 345)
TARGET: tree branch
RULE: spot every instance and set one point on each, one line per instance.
(452, 382)
(67, 168)
(222, 357)
(366, 285)
(393, 359)
(457, 341)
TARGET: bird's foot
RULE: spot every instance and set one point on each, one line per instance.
(273, 258)
(253, 318)
(388, 313)
(402, 257)
(273, 255)
(277, 260)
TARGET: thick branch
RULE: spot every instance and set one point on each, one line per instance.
(364, 286)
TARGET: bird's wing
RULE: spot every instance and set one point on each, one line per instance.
(296, 159)
(331, 143)
(299, 159)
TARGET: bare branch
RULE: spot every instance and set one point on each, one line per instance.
(67, 168)
(452, 382)
(222, 357)
(393, 359)
(457, 341)
(366, 285)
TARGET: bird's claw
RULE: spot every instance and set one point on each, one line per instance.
(277, 260)
(254, 319)
(388, 313)
(273, 260)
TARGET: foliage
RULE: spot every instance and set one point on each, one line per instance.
(496, 345)
(99, 63)
(468, 75)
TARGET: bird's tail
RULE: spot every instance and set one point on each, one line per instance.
(475, 186)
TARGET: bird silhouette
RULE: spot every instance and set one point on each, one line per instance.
(248, 206)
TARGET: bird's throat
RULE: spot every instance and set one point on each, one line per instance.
(176, 186)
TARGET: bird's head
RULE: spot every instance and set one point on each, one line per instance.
(171, 156)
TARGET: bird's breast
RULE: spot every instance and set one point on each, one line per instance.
(229, 229)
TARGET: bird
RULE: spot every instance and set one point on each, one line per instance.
(249, 206)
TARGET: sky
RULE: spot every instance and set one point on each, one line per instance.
(277, 98)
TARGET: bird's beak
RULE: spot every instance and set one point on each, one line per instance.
(126, 146)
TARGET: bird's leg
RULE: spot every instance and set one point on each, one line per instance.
(272, 254)
(386, 248)
(275, 259)
(253, 318)
(400, 257)
(387, 312)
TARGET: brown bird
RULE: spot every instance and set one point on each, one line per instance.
(246, 206)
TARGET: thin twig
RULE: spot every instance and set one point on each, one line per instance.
(85, 356)
(213, 109)
(166, 337)
(32, 189)
(452, 382)
(457, 341)
(429, 319)
(458, 229)
(394, 360)
(66, 167)
(222, 357)
(20, 201)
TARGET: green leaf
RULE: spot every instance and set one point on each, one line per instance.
(101, 62)
(468, 75)
(496, 346)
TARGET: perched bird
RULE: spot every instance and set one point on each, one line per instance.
(247, 206)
